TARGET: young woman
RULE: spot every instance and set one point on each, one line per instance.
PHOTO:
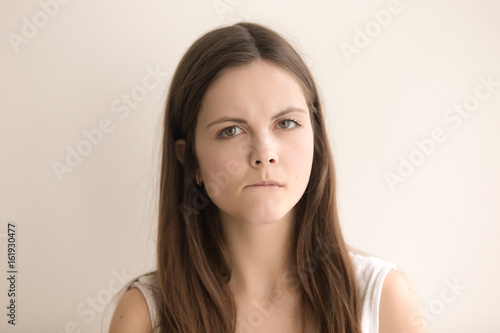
(249, 238)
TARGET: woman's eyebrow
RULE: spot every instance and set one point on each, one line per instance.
(243, 121)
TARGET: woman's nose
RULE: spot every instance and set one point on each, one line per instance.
(263, 154)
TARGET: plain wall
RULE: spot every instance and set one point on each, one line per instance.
(390, 90)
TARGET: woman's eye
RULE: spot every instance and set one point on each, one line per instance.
(229, 131)
(287, 123)
(232, 131)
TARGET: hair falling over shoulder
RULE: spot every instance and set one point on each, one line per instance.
(192, 260)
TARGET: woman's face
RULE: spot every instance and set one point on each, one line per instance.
(254, 126)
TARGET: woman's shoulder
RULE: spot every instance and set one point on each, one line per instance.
(370, 270)
(147, 280)
(131, 314)
(388, 299)
(400, 309)
(135, 309)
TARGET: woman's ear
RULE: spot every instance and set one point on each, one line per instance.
(180, 148)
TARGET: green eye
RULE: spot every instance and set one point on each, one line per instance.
(229, 131)
(286, 123)
(232, 131)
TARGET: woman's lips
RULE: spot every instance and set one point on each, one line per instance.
(270, 186)
(267, 183)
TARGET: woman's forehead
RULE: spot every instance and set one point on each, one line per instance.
(259, 85)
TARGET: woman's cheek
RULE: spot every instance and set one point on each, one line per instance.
(220, 170)
(302, 156)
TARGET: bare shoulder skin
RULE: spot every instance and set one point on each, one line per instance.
(400, 309)
(131, 314)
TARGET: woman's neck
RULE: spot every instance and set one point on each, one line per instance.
(259, 255)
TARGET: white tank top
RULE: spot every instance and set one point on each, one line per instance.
(370, 273)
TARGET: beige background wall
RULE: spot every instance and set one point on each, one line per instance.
(87, 226)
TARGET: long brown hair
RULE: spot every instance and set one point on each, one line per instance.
(192, 260)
